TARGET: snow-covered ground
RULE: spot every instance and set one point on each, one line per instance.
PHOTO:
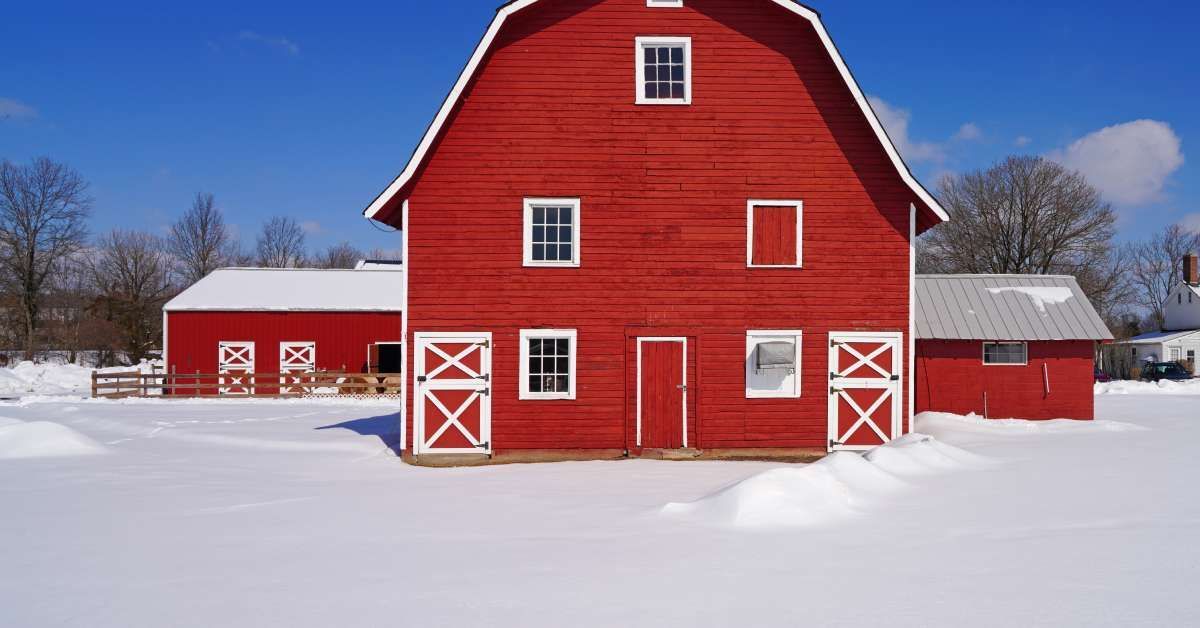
(146, 513)
(57, 378)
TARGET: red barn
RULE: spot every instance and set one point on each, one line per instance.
(1006, 346)
(640, 225)
(272, 320)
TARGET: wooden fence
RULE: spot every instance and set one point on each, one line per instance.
(245, 385)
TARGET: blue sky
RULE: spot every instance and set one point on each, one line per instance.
(311, 110)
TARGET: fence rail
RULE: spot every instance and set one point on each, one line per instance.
(245, 385)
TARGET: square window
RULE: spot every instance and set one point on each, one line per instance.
(552, 232)
(773, 364)
(774, 234)
(547, 364)
(664, 70)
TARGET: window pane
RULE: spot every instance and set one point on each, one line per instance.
(677, 73)
(539, 234)
(551, 215)
(564, 234)
(564, 215)
(564, 253)
(650, 56)
(539, 216)
(539, 252)
(677, 90)
(535, 383)
(561, 365)
(564, 346)
(562, 384)
(651, 72)
(550, 236)
(535, 365)
(535, 347)
(651, 90)
(548, 346)
(677, 55)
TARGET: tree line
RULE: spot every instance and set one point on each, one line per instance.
(63, 288)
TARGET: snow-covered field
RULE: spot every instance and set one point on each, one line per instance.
(146, 513)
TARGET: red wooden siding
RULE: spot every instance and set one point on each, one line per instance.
(951, 377)
(774, 236)
(342, 337)
(663, 194)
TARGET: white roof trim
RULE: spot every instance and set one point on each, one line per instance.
(486, 43)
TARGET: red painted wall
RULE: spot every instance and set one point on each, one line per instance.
(663, 191)
(951, 377)
(341, 337)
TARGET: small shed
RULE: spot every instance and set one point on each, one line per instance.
(268, 320)
(1006, 346)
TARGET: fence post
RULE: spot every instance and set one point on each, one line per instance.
(94, 384)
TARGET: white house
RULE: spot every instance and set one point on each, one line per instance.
(1180, 338)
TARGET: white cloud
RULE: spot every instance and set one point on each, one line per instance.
(969, 132)
(1022, 141)
(282, 44)
(895, 120)
(1129, 163)
(1191, 222)
(15, 110)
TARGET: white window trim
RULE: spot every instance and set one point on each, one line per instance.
(755, 336)
(750, 205)
(530, 334)
(640, 45)
(576, 227)
(983, 354)
(657, 4)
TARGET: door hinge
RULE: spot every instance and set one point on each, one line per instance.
(486, 344)
(895, 378)
(834, 443)
(486, 392)
(483, 446)
(422, 378)
(833, 376)
(833, 390)
(487, 377)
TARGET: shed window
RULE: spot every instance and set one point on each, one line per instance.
(552, 232)
(774, 234)
(1005, 353)
(548, 363)
(773, 364)
(664, 70)
(664, 3)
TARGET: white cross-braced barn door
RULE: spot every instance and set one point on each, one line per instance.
(452, 395)
(865, 389)
(235, 364)
(296, 357)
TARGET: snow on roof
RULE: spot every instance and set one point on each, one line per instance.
(378, 264)
(293, 289)
(1005, 307)
(1160, 337)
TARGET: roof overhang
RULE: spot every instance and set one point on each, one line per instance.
(388, 198)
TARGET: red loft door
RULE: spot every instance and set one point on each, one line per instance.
(662, 394)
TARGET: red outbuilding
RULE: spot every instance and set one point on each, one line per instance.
(638, 226)
(1006, 346)
(269, 320)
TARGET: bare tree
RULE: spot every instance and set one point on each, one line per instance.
(341, 255)
(44, 209)
(1026, 215)
(281, 243)
(1157, 267)
(389, 255)
(132, 274)
(200, 240)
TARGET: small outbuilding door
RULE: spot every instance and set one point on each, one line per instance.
(662, 393)
(452, 393)
(235, 362)
(296, 357)
(865, 389)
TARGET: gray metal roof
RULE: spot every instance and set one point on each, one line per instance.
(1160, 337)
(1005, 307)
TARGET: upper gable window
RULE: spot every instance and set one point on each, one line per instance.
(664, 3)
(774, 234)
(552, 232)
(664, 70)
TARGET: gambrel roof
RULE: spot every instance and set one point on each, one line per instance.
(504, 12)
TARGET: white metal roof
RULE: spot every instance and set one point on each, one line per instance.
(1160, 337)
(287, 289)
(1005, 307)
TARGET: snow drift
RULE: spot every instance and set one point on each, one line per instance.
(940, 423)
(58, 379)
(838, 486)
(1164, 387)
(43, 439)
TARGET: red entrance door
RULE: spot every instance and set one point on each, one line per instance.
(662, 395)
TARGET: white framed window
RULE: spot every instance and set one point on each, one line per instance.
(664, 3)
(552, 232)
(773, 364)
(548, 363)
(774, 234)
(1005, 353)
(664, 70)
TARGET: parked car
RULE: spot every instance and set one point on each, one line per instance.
(1100, 376)
(1156, 371)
